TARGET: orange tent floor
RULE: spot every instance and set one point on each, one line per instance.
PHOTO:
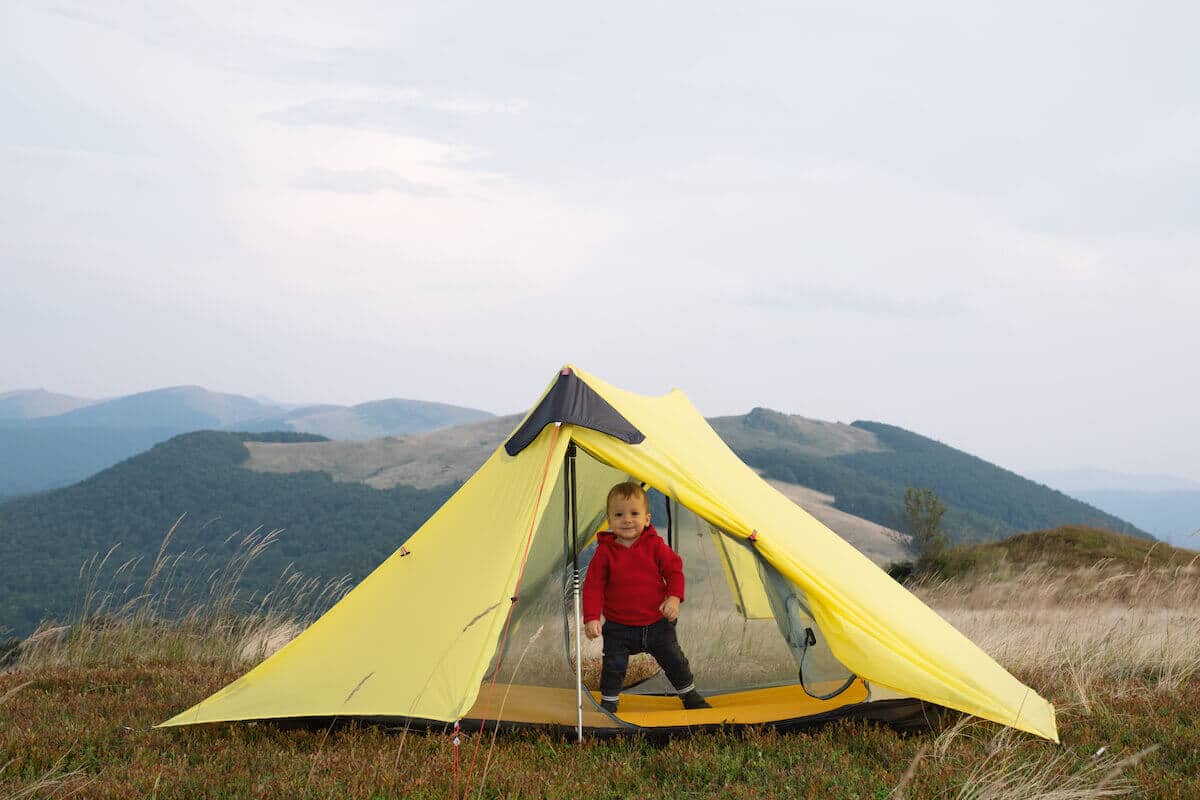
(539, 705)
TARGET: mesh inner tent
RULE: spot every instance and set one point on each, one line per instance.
(539, 648)
(742, 625)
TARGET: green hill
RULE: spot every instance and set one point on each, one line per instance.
(868, 471)
(180, 408)
(393, 417)
(331, 529)
(1069, 547)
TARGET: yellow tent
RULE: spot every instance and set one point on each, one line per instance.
(443, 629)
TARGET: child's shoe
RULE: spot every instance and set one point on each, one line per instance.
(694, 699)
(609, 705)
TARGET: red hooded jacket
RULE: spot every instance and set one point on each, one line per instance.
(628, 584)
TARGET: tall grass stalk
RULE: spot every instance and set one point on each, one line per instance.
(172, 617)
(487, 761)
(4, 697)
(54, 783)
(1006, 772)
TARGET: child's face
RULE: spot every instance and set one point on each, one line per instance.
(627, 518)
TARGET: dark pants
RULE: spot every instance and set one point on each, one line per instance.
(622, 641)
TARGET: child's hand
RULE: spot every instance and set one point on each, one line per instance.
(670, 608)
(592, 628)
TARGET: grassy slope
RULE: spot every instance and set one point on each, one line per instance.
(1070, 547)
(1115, 700)
(105, 748)
(422, 460)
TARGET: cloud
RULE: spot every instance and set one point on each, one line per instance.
(470, 107)
(794, 201)
(368, 181)
(407, 110)
(801, 297)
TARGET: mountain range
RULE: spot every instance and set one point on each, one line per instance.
(52, 440)
(1165, 505)
(343, 506)
(32, 403)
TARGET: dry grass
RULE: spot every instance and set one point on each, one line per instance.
(1096, 624)
(1004, 773)
(54, 782)
(1116, 652)
(423, 460)
(165, 618)
(1104, 582)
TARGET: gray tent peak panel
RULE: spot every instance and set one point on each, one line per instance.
(572, 401)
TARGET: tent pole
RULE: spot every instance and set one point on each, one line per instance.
(571, 489)
(578, 662)
(670, 525)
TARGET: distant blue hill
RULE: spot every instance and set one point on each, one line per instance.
(36, 459)
(47, 452)
(24, 404)
(372, 420)
(178, 408)
(1173, 516)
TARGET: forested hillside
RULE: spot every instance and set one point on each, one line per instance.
(966, 481)
(982, 501)
(330, 529)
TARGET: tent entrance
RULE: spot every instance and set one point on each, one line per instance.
(744, 628)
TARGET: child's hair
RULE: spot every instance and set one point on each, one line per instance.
(625, 491)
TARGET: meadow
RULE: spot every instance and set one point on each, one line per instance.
(1114, 643)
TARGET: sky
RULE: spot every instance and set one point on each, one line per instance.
(978, 222)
